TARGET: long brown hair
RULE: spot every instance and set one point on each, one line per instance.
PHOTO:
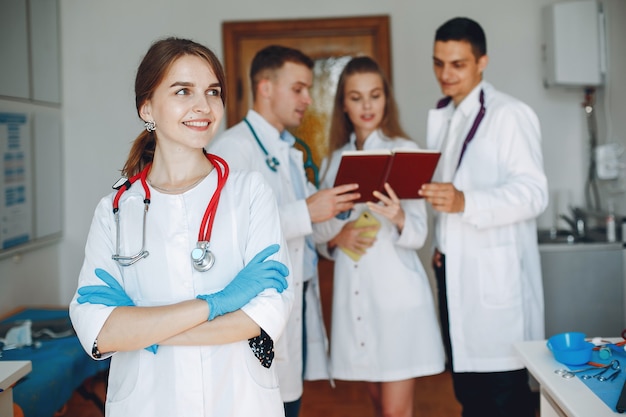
(153, 68)
(340, 124)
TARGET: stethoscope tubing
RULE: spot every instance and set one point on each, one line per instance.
(472, 132)
(272, 162)
(477, 120)
(203, 261)
(143, 253)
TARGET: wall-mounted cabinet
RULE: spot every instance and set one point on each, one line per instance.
(29, 47)
(30, 125)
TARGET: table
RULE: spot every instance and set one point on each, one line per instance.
(59, 367)
(10, 373)
(559, 397)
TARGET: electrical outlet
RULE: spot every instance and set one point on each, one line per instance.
(607, 161)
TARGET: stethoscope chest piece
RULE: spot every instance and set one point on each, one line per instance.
(202, 258)
(272, 163)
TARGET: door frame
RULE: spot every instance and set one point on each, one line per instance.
(234, 33)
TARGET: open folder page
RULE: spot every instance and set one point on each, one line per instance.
(406, 170)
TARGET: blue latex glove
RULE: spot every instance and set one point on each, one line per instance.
(255, 277)
(112, 295)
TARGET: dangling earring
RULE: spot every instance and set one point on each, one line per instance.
(150, 126)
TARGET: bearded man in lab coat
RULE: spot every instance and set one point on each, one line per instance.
(487, 191)
(281, 78)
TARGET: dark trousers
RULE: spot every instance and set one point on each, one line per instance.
(483, 394)
(292, 409)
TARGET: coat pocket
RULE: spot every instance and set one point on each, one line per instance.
(124, 374)
(264, 377)
(499, 274)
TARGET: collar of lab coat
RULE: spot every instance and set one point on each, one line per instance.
(439, 117)
(471, 102)
(268, 134)
(372, 141)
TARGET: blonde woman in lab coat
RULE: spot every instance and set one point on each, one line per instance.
(150, 316)
(384, 326)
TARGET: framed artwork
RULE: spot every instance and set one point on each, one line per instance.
(329, 42)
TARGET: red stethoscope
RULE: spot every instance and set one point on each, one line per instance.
(202, 258)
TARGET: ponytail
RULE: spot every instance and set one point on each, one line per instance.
(141, 153)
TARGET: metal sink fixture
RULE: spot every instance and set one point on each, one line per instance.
(582, 226)
(552, 236)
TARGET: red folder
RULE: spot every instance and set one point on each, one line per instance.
(406, 170)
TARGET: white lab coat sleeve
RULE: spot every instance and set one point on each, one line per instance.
(270, 309)
(88, 319)
(415, 228)
(310, 188)
(295, 219)
(322, 249)
(521, 192)
(323, 232)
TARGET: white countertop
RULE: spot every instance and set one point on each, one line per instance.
(571, 395)
(12, 371)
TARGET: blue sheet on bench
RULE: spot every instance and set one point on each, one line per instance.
(607, 391)
(59, 367)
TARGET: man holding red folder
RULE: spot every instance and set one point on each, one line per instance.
(488, 188)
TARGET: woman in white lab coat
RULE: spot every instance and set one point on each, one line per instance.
(384, 326)
(149, 312)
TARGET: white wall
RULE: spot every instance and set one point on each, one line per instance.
(103, 42)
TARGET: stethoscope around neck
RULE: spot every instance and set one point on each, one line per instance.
(272, 162)
(202, 258)
(472, 132)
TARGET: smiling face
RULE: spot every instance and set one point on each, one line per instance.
(457, 69)
(186, 106)
(285, 95)
(364, 103)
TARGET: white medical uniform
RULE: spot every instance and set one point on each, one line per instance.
(239, 148)
(200, 381)
(384, 325)
(493, 273)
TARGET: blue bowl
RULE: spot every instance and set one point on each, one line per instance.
(570, 348)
